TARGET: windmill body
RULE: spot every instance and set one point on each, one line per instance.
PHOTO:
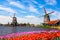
(46, 18)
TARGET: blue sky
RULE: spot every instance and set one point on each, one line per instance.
(28, 11)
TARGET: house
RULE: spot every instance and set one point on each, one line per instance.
(53, 23)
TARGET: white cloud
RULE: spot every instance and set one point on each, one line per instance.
(30, 16)
(7, 9)
(33, 9)
(26, 19)
(17, 4)
(35, 2)
(57, 14)
(5, 19)
(51, 2)
(40, 5)
(31, 19)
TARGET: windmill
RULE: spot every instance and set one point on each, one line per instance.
(14, 21)
(47, 16)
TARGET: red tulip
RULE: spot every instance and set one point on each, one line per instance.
(37, 36)
(58, 34)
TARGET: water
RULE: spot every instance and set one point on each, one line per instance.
(8, 30)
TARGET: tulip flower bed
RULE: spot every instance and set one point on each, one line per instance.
(33, 36)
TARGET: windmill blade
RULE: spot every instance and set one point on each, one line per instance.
(11, 16)
(51, 12)
(14, 14)
(45, 11)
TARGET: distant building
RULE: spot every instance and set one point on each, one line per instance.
(54, 23)
(14, 21)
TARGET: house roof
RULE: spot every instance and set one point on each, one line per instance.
(53, 22)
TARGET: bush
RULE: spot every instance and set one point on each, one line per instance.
(44, 26)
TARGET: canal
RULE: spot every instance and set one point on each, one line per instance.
(7, 30)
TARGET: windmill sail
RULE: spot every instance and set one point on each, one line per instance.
(51, 12)
(14, 14)
(45, 11)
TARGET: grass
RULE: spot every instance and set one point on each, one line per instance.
(44, 26)
(56, 27)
